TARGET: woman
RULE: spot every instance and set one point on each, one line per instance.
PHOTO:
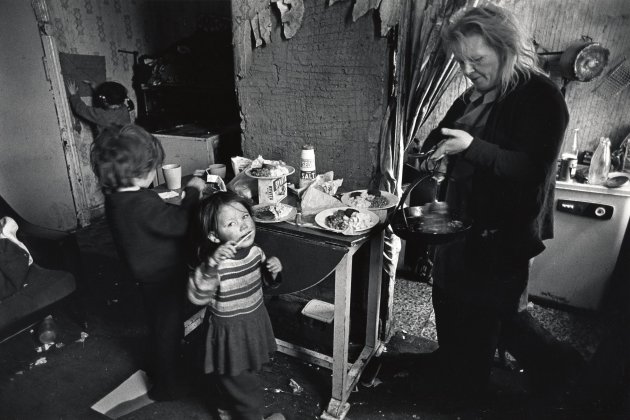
(500, 140)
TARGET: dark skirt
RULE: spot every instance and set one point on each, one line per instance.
(238, 343)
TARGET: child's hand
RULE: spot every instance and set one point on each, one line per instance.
(196, 182)
(72, 87)
(224, 252)
(274, 266)
(90, 83)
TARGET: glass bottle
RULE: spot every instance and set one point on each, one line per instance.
(571, 152)
(600, 163)
(47, 331)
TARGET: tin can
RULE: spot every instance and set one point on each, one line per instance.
(307, 165)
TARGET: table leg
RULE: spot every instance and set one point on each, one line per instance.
(338, 406)
(374, 291)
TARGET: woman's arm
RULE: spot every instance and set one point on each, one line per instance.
(536, 121)
(536, 135)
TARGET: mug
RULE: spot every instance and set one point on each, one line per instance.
(217, 169)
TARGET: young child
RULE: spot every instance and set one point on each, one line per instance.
(229, 280)
(150, 236)
(110, 104)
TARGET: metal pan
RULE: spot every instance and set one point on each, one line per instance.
(405, 222)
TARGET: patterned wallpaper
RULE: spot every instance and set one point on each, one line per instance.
(102, 27)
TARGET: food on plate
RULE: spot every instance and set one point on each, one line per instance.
(272, 212)
(367, 199)
(268, 168)
(346, 219)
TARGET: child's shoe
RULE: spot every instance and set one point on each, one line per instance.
(275, 416)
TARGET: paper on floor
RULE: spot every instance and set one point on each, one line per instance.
(168, 194)
(129, 396)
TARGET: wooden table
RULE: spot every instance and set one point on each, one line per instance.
(308, 256)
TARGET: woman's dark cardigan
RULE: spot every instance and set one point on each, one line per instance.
(515, 163)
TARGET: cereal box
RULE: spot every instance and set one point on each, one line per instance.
(272, 190)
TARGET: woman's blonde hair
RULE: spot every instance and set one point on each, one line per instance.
(501, 31)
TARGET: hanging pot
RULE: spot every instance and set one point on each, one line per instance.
(583, 61)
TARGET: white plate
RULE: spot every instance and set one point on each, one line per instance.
(289, 216)
(291, 170)
(320, 219)
(392, 200)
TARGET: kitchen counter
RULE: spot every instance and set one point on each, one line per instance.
(624, 190)
(576, 268)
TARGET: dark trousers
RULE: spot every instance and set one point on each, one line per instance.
(467, 335)
(164, 307)
(241, 395)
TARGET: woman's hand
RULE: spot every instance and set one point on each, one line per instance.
(224, 252)
(456, 141)
(274, 266)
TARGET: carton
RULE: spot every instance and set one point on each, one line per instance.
(272, 191)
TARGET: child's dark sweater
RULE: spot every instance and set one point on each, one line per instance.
(100, 117)
(150, 235)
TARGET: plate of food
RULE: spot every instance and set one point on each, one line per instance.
(346, 220)
(369, 199)
(270, 171)
(273, 213)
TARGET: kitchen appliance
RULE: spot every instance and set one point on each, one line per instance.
(590, 223)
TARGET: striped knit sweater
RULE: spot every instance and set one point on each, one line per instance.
(233, 288)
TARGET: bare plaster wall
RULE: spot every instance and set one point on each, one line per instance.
(33, 175)
(326, 86)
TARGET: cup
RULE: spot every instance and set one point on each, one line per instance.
(172, 175)
(564, 172)
(217, 169)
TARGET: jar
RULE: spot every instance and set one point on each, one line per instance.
(307, 165)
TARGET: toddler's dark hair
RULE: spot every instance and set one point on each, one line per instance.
(207, 220)
(121, 153)
(110, 93)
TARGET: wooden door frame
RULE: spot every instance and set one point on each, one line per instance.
(52, 68)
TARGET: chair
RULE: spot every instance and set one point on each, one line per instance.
(51, 278)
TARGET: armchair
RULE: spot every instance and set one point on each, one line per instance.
(50, 280)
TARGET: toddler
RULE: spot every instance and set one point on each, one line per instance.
(111, 105)
(150, 236)
(229, 280)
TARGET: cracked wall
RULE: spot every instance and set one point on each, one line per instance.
(326, 86)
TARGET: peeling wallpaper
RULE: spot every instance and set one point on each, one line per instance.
(326, 86)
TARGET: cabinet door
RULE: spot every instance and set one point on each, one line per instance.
(190, 152)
